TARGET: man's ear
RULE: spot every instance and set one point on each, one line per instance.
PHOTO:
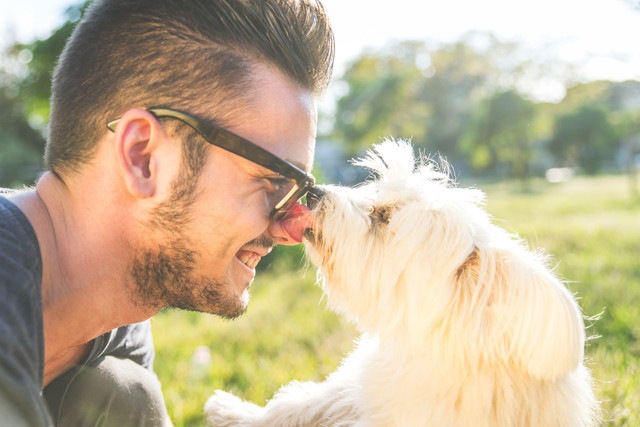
(138, 136)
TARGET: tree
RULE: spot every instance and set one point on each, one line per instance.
(500, 134)
(408, 90)
(20, 145)
(458, 81)
(381, 98)
(627, 125)
(35, 88)
(25, 89)
(430, 95)
(584, 138)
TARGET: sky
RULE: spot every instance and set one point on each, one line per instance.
(599, 36)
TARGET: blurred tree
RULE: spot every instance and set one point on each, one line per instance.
(462, 100)
(35, 88)
(627, 125)
(500, 134)
(456, 82)
(612, 96)
(25, 89)
(592, 93)
(584, 138)
(20, 145)
(410, 90)
(407, 90)
(381, 99)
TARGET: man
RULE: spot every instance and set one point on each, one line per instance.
(181, 136)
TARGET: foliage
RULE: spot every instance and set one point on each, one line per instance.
(20, 145)
(377, 102)
(407, 90)
(464, 101)
(588, 225)
(468, 100)
(584, 138)
(25, 89)
(35, 88)
(500, 134)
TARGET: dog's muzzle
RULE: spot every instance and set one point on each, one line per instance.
(314, 196)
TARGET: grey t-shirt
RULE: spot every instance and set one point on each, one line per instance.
(21, 330)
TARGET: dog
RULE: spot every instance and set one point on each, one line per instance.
(463, 324)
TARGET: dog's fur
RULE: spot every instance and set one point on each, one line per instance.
(463, 325)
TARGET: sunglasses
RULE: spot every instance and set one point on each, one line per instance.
(296, 184)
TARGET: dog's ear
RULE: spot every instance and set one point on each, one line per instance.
(525, 315)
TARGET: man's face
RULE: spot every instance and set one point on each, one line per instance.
(208, 264)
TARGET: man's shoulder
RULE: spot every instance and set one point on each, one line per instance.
(11, 217)
(20, 260)
(132, 341)
(20, 273)
(21, 334)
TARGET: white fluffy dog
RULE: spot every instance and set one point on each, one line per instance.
(463, 325)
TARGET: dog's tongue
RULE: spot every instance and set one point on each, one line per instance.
(296, 221)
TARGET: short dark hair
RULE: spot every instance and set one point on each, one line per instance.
(182, 54)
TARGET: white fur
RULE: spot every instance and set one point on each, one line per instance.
(463, 325)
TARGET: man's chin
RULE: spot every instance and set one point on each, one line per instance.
(214, 299)
(233, 311)
(231, 307)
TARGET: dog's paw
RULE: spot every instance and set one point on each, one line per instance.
(226, 410)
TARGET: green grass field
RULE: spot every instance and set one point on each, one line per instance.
(590, 226)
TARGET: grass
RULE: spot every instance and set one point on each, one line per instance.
(590, 226)
(286, 333)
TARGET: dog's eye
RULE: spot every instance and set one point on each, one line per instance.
(381, 214)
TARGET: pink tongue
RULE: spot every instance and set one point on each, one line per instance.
(297, 219)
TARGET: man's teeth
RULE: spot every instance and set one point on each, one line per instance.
(250, 260)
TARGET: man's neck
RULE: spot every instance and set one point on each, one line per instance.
(84, 281)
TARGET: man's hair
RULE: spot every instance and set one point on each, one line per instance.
(194, 55)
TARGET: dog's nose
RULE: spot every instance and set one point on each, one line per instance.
(314, 195)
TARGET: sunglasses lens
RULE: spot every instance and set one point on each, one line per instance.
(292, 198)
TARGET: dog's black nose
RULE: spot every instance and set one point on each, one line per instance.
(313, 196)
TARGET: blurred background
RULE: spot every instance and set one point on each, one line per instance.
(502, 89)
(537, 103)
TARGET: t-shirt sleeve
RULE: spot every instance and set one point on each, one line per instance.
(21, 344)
(133, 342)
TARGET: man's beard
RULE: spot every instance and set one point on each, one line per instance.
(163, 278)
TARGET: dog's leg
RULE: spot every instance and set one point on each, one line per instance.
(296, 404)
(226, 410)
(334, 402)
